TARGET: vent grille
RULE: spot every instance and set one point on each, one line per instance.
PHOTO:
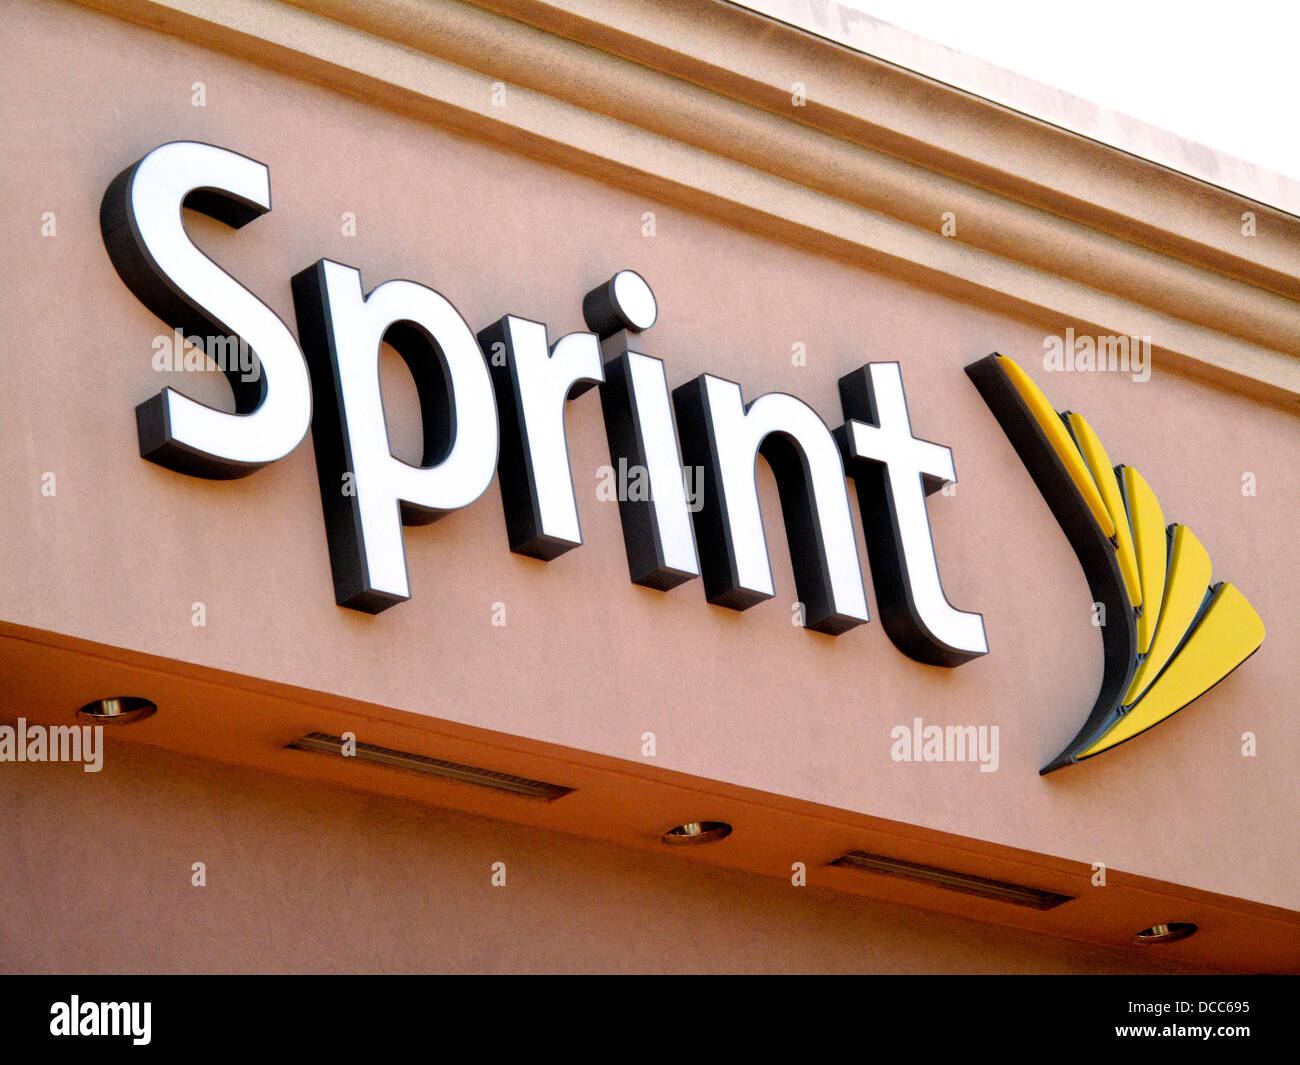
(323, 743)
(998, 890)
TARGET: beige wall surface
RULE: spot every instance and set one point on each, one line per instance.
(587, 659)
(343, 882)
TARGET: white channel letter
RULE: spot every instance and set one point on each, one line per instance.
(738, 434)
(386, 485)
(654, 420)
(906, 459)
(159, 185)
(543, 381)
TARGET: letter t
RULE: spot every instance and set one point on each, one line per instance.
(894, 473)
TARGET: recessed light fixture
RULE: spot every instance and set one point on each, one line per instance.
(120, 710)
(323, 743)
(1165, 933)
(698, 832)
(951, 880)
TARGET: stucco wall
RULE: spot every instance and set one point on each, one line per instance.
(587, 659)
(304, 877)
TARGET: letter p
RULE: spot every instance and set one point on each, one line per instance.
(341, 331)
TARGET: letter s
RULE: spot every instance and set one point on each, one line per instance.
(141, 222)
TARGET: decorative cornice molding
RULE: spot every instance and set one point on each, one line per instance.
(689, 101)
(867, 34)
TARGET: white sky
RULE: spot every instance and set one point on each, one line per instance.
(1224, 73)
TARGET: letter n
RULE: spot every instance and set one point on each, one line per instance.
(724, 436)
